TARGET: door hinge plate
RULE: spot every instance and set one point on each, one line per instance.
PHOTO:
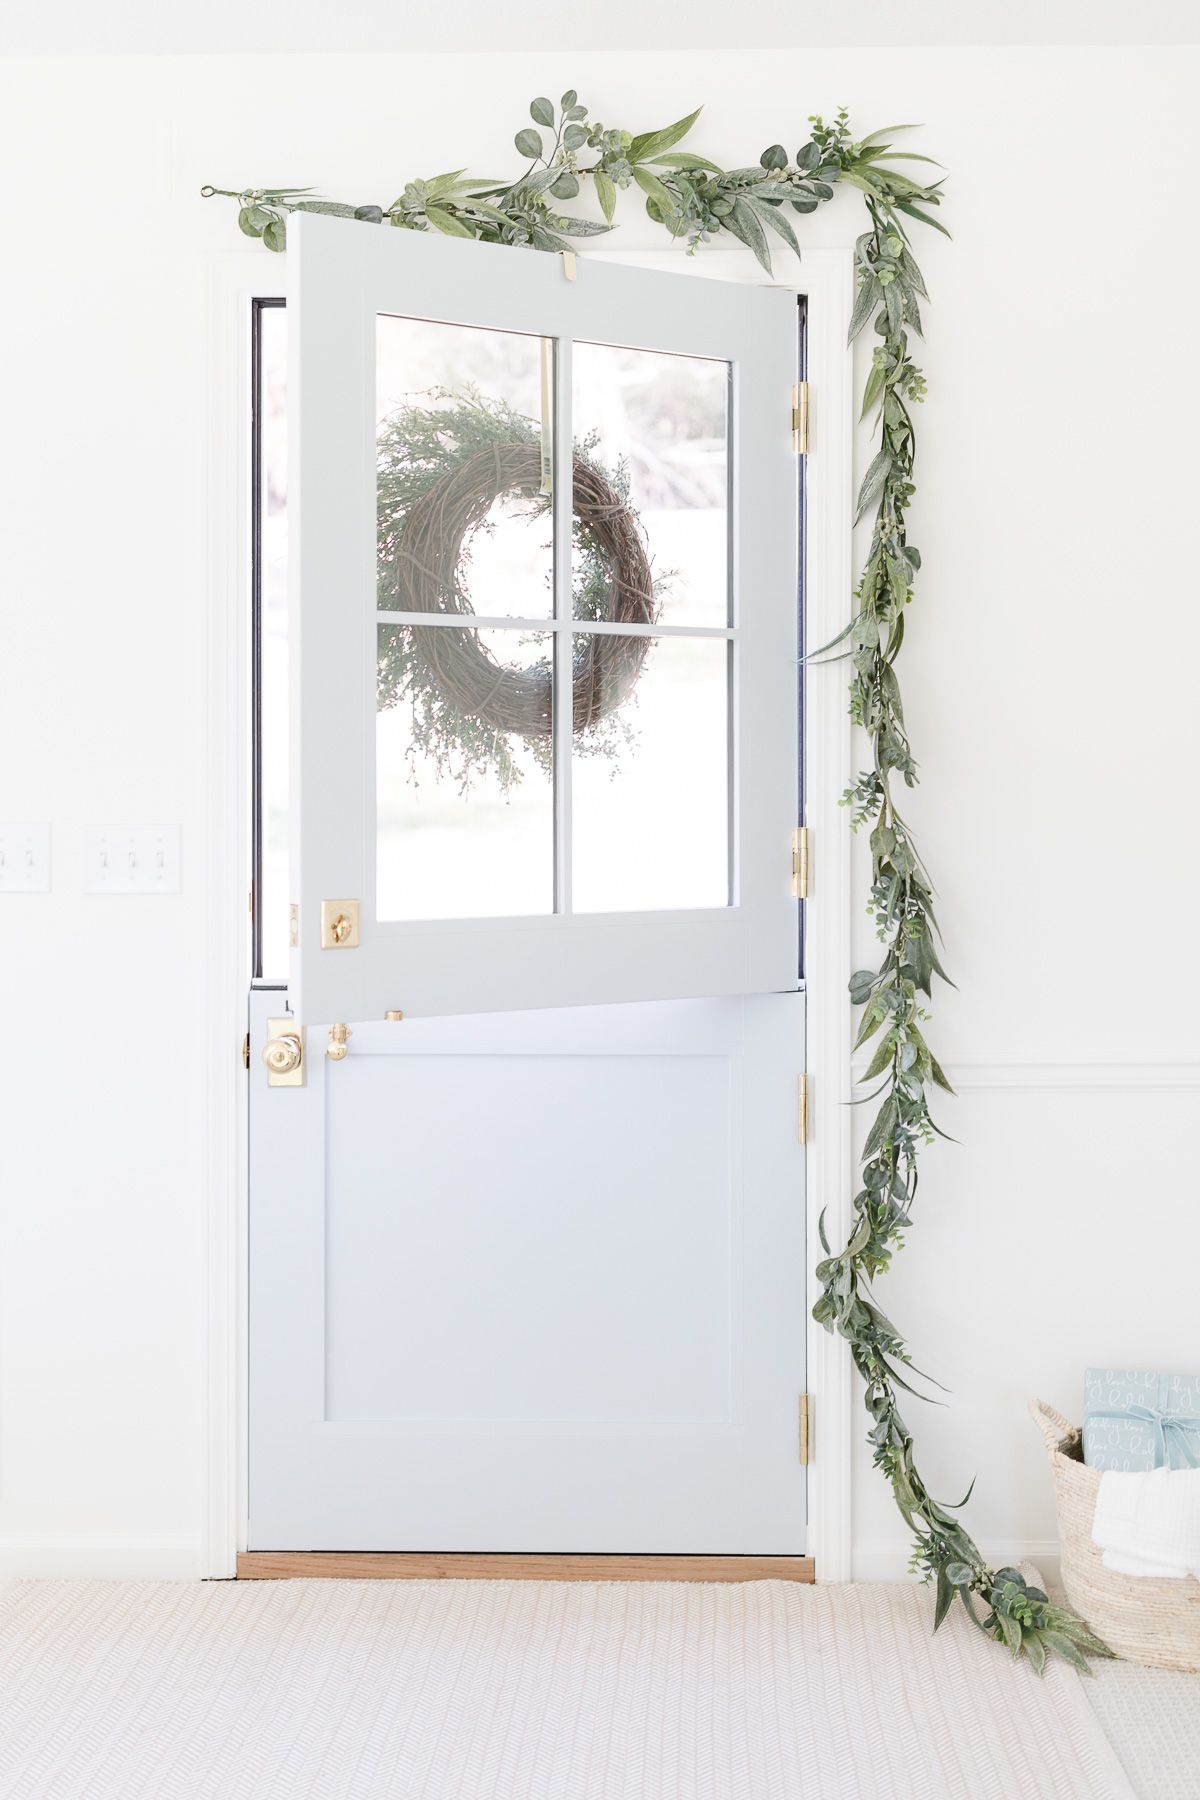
(800, 881)
(800, 431)
(805, 1422)
(802, 1109)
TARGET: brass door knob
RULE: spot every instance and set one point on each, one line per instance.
(282, 1054)
(341, 928)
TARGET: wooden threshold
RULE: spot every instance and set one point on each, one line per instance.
(402, 1565)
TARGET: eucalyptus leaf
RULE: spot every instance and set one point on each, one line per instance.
(651, 185)
(528, 142)
(541, 111)
(606, 193)
(743, 223)
(447, 223)
(771, 215)
(684, 159)
(651, 143)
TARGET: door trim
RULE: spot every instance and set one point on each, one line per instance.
(234, 278)
(359, 1565)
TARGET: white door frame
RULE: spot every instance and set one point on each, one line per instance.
(826, 277)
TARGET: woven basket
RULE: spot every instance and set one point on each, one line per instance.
(1143, 1620)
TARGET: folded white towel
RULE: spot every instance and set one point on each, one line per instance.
(1149, 1524)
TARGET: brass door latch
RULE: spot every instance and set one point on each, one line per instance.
(283, 1053)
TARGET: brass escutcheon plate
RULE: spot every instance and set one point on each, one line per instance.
(339, 924)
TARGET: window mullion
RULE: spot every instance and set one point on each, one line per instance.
(563, 607)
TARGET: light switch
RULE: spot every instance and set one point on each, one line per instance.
(24, 859)
(131, 859)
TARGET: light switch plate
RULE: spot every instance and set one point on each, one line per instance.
(24, 859)
(131, 859)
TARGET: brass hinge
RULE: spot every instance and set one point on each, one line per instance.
(800, 436)
(800, 863)
(805, 1431)
(802, 1110)
(246, 1051)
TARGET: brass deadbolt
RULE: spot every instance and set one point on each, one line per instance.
(339, 924)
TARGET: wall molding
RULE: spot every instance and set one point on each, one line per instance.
(70, 1556)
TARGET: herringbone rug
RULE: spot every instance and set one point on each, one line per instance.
(357, 1690)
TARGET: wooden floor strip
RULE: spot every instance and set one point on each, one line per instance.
(355, 1565)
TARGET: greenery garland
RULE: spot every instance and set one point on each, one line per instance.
(695, 199)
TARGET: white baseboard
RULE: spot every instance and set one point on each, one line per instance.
(166, 1557)
(886, 1559)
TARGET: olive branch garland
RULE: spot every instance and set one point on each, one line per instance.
(696, 199)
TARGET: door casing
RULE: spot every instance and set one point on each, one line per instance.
(826, 278)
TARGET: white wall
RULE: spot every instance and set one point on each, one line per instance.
(1048, 674)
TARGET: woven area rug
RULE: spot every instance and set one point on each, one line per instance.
(463, 1690)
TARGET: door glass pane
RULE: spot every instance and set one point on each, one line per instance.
(464, 793)
(650, 802)
(465, 457)
(652, 433)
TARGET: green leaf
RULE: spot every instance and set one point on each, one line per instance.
(569, 99)
(960, 1574)
(651, 143)
(541, 111)
(771, 215)
(606, 193)
(566, 187)
(874, 388)
(484, 210)
(1063, 1646)
(882, 1058)
(774, 158)
(253, 220)
(864, 305)
(528, 142)
(886, 131)
(861, 983)
(574, 137)
(447, 223)
(275, 235)
(945, 1597)
(742, 221)
(914, 212)
(938, 1073)
(333, 209)
(582, 228)
(873, 481)
(1035, 1650)
(651, 185)
(543, 239)
(441, 185)
(685, 159)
